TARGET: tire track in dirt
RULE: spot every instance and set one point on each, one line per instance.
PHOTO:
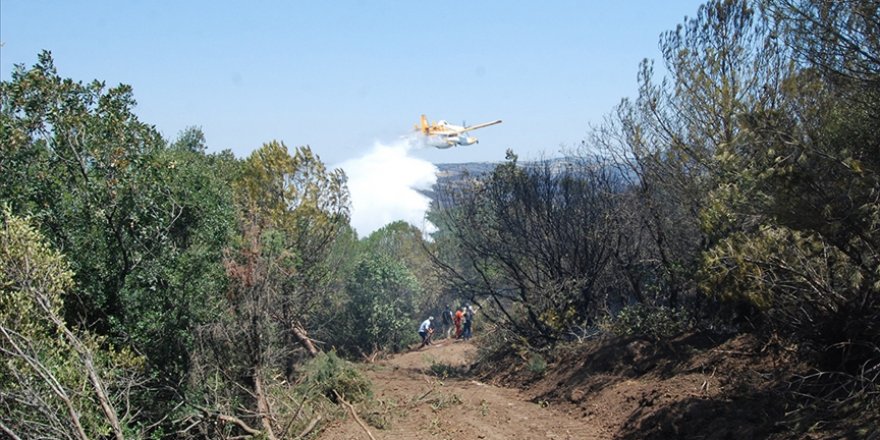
(419, 402)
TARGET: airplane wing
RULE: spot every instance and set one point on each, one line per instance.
(474, 127)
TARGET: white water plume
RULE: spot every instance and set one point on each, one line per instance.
(384, 185)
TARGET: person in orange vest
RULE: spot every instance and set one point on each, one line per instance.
(459, 315)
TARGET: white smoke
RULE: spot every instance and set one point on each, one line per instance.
(384, 186)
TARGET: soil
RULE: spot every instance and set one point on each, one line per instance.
(701, 386)
(443, 402)
(697, 386)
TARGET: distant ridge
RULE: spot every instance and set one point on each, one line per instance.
(452, 175)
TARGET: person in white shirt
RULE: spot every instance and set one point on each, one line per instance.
(425, 331)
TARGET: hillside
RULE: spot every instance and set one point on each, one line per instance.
(452, 177)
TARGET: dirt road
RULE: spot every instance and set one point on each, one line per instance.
(416, 400)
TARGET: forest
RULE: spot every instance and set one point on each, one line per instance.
(150, 288)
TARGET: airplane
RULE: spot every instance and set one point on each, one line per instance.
(445, 135)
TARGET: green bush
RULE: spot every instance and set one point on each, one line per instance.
(537, 364)
(649, 321)
(498, 343)
(445, 371)
(378, 311)
(327, 373)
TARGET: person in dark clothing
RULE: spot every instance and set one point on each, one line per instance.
(447, 321)
(467, 333)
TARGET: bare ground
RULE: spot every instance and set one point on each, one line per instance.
(423, 402)
(696, 386)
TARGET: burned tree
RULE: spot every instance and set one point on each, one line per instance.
(534, 241)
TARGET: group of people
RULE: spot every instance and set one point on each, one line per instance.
(461, 321)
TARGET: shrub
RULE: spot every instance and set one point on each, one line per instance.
(537, 364)
(380, 304)
(652, 322)
(327, 373)
(498, 343)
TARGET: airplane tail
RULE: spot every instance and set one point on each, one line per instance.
(424, 121)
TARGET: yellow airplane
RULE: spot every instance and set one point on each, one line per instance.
(445, 135)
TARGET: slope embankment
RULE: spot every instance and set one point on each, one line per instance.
(699, 385)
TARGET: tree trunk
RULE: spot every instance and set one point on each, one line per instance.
(303, 337)
(263, 407)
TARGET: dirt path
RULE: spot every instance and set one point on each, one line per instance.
(418, 403)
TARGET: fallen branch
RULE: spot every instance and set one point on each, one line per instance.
(423, 396)
(354, 414)
(9, 432)
(370, 358)
(227, 419)
(310, 427)
(265, 410)
(240, 423)
(192, 425)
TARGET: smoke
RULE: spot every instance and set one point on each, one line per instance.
(384, 185)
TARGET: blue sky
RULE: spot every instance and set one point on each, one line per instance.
(343, 75)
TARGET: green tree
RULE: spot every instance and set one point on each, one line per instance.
(725, 61)
(405, 243)
(307, 206)
(55, 382)
(380, 307)
(191, 139)
(143, 224)
(796, 208)
(800, 189)
(290, 212)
